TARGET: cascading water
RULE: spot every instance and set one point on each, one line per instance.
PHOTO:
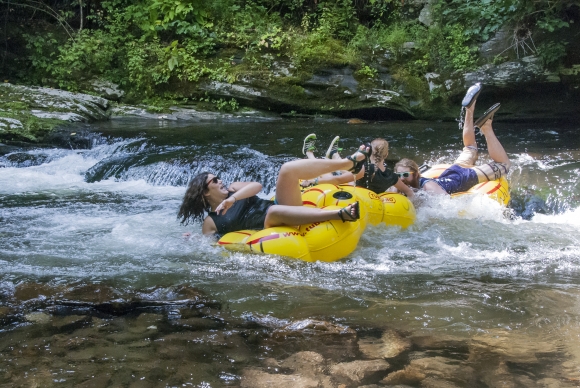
(105, 214)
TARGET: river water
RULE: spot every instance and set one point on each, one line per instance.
(492, 289)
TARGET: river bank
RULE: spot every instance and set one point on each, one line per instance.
(31, 114)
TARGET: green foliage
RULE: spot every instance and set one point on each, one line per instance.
(552, 53)
(446, 48)
(90, 54)
(154, 17)
(42, 50)
(482, 18)
(152, 47)
(383, 38)
(337, 19)
(367, 71)
(318, 48)
(227, 106)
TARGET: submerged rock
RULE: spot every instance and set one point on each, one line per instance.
(255, 378)
(357, 371)
(438, 368)
(389, 345)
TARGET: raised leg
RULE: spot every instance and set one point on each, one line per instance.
(469, 128)
(494, 147)
(280, 215)
(287, 188)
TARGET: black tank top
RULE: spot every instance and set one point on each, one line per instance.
(378, 181)
(247, 213)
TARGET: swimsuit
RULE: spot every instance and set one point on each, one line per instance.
(378, 181)
(247, 213)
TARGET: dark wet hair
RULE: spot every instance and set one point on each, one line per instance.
(194, 204)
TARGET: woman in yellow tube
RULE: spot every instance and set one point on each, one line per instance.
(237, 207)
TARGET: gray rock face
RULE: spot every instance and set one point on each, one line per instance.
(107, 89)
(331, 91)
(190, 114)
(59, 104)
(500, 43)
(528, 69)
(426, 16)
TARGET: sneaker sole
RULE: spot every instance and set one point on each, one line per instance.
(329, 150)
(312, 136)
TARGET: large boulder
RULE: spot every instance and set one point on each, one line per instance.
(30, 113)
(334, 91)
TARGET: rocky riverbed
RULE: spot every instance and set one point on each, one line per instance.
(94, 335)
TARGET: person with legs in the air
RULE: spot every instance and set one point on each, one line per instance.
(463, 174)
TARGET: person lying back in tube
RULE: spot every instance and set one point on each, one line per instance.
(463, 174)
(237, 206)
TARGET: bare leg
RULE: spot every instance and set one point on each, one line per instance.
(468, 128)
(310, 155)
(287, 188)
(279, 215)
(494, 147)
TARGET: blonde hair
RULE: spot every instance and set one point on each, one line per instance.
(410, 164)
(380, 149)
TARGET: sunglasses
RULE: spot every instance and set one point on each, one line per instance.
(213, 180)
(404, 174)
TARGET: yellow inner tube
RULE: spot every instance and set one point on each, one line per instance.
(497, 190)
(329, 240)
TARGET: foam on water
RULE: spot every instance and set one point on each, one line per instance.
(119, 227)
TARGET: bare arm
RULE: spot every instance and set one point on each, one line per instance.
(434, 188)
(403, 188)
(208, 228)
(240, 190)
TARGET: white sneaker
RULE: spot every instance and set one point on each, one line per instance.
(309, 143)
(332, 148)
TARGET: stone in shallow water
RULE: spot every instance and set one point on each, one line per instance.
(454, 371)
(145, 323)
(27, 291)
(305, 363)
(71, 322)
(389, 345)
(7, 314)
(313, 326)
(504, 345)
(38, 317)
(331, 340)
(255, 378)
(427, 342)
(92, 293)
(357, 371)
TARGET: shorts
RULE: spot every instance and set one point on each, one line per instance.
(485, 172)
(457, 179)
